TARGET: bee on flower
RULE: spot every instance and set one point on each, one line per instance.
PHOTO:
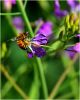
(34, 45)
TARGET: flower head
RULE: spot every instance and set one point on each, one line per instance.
(35, 46)
(41, 38)
(8, 4)
(18, 24)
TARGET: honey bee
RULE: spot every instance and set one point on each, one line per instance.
(23, 41)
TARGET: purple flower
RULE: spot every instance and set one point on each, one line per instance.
(18, 24)
(74, 6)
(35, 46)
(46, 29)
(30, 54)
(57, 10)
(71, 51)
(8, 4)
(41, 38)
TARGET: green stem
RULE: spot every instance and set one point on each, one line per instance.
(40, 66)
(38, 60)
(25, 3)
(11, 14)
(25, 17)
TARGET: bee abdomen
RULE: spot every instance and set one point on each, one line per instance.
(21, 44)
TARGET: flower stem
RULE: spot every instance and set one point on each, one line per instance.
(40, 66)
(22, 9)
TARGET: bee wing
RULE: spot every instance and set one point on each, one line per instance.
(13, 39)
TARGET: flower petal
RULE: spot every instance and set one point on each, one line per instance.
(72, 3)
(70, 52)
(39, 39)
(56, 4)
(57, 10)
(60, 13)
(77, 47)
(30, 54)
(39, 52)
(46, 29)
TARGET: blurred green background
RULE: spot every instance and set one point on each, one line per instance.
(21, 68)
